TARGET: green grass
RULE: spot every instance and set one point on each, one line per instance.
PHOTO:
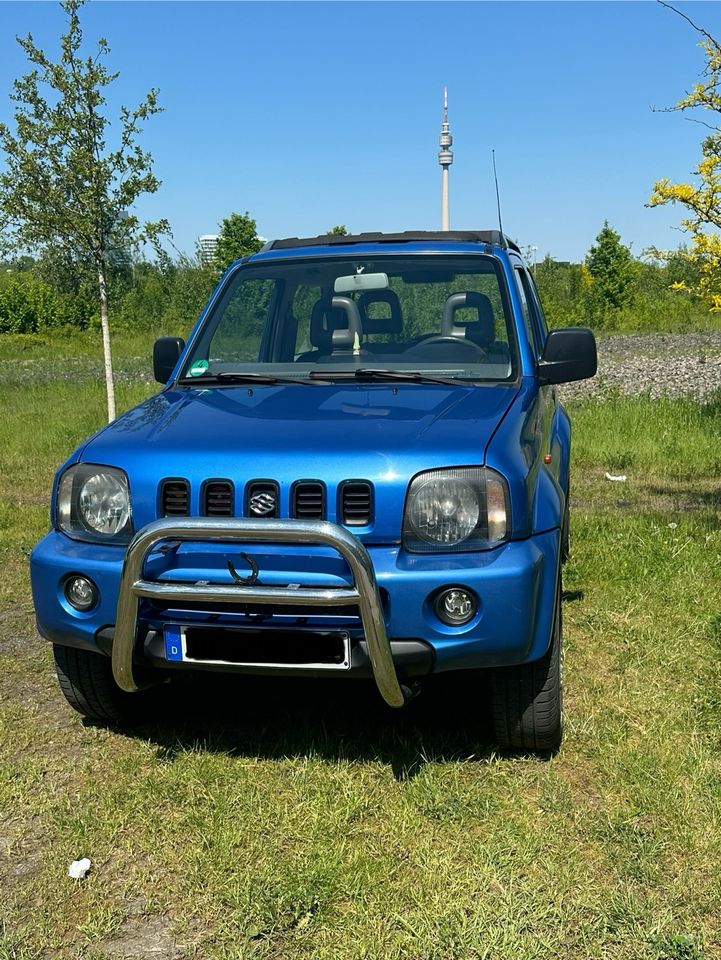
(671, 439)
(74, 343)
(72, 357)
(295, 820)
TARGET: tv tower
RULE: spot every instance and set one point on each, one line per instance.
(445, 158)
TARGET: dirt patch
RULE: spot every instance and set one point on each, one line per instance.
(15, 613)
(666, 497)
(22, 842)
(34, 690)
(146, 937)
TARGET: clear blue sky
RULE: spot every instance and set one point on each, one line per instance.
(311, 114)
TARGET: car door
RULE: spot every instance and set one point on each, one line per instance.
(547, 400)
(557, 432)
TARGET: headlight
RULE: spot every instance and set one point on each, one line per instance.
(94, 503)
(454, 510)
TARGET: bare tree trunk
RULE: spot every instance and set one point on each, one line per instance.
(107, 356)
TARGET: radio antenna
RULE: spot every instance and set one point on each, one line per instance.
(498, 195)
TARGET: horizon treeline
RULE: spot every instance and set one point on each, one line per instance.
(610, 291)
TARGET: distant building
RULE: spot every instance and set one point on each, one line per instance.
(207, 245)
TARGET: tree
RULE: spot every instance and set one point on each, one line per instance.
(339, 229)
(64, 191)
(611, 273)
(238, 238)
(701, 199)
(560, 285)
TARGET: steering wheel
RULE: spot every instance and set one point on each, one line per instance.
(443, 338)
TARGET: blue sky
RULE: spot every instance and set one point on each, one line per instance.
(311, 114)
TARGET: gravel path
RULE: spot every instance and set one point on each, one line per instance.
(21, 371)
(670, 365)
(660, 364)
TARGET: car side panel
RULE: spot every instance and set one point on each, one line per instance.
(533, 428)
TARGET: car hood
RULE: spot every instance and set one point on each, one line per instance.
(381, 433)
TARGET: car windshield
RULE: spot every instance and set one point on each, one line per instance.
(410, 318)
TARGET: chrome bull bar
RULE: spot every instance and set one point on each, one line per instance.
(364, 592)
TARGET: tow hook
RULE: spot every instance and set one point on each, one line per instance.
(410, 691)
(249, 580)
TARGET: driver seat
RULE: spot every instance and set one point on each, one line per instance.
(390, 323)
(481, 331)
(324, 321)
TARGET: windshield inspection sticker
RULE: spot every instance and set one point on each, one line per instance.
(199, 368)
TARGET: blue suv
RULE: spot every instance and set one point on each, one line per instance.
(358, 466)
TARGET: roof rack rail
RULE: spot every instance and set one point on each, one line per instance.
(493, 237)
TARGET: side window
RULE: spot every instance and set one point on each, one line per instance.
(304, 299)
(238, 334)
(540, 315)
(526, 307)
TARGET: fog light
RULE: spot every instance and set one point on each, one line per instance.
(81, 593)
(456, 606)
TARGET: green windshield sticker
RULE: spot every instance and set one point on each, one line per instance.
(199, 368)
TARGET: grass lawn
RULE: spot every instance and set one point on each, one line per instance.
(280, 819)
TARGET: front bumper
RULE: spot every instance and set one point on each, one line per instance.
(363, 592)
(515, 584)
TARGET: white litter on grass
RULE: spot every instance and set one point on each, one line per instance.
(621, 478)
(672, 526)
(78, 868)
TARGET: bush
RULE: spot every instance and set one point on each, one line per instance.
(654, 308)
(189, 292)
(29, 305)
(163, 300)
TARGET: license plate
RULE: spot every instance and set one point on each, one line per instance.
(192, 643)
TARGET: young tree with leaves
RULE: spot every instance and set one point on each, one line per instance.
(63, 190)
(339, 229)
(702, 199)
(238, 238)
(611, 273)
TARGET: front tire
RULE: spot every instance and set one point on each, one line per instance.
(528, 700)
(86, 680)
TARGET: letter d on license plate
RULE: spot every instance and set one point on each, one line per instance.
(173, 643)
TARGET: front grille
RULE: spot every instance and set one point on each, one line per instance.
(218, 498)
(174, 498)
(308, 500)
(356, 503)
(262, 499)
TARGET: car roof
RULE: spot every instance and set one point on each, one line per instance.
(447, 241)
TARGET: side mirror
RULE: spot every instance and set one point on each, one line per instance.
(166, 351)
(569, 354)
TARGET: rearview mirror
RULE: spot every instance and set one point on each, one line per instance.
(166, 352)
(361, 281)
(569, 354)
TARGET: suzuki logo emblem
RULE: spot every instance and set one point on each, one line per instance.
(261, 504)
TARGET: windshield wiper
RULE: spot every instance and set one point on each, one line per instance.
(231, 376)
(373, 373)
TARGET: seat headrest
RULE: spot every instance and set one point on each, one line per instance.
(324, 320)
(481, 331)
(335, 325)
(392, 320)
